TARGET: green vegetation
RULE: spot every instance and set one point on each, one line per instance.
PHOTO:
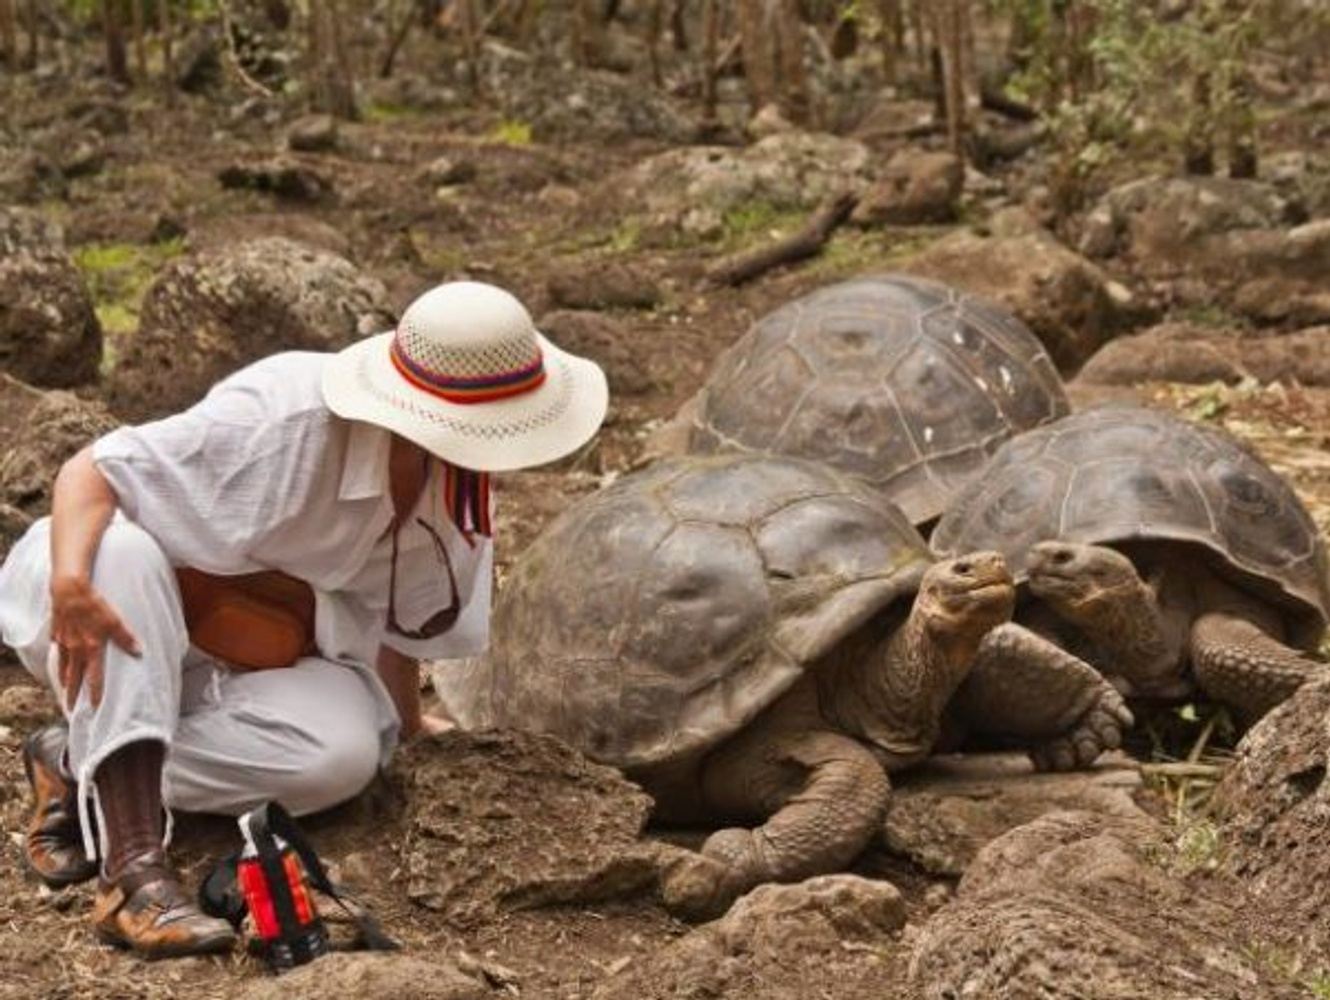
(118, 274)
(757, 217)
(511, 132)
(1214, 316)
(1113, 79)
(385, 112)
(626, 236)
(1199, 846)
(1291, 967)
(853, 251)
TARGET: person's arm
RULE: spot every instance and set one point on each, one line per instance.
(401, 676)
(82, 506)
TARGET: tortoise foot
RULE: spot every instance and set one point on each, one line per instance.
(1100, 728)
(702, 886)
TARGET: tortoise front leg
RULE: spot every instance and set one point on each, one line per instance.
(1025, 686)
(824, 796)
(1238, 663)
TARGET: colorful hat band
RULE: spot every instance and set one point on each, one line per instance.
(476, 389)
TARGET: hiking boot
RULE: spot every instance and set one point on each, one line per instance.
(53, 847)
(147, 910)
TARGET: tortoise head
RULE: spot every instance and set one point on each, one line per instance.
(1077, 579)
(966, 596)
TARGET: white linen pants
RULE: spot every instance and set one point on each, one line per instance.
(308, 736)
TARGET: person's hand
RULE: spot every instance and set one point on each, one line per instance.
(435, 725)
(82, 623)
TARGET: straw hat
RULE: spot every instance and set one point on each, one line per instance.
(467, 376)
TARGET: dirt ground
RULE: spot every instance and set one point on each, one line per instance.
(532, 212)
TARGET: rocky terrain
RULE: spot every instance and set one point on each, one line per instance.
(147, 248)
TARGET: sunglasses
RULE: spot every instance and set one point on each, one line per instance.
(439, 622)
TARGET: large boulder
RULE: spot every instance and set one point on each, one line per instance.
(1068, 302)
(694, 189)
(607, 341)
(1239, 243)
(210, 313)
(563, 102)
(49, 334)
(1276, 276)
(916, 186)
(1274, 802)
(778, 941)
(1081, 904)
(1181, 352)
(497, 821)
(370, 975)
(602, 284)
(42, 431)
(943, 813)
(1303, 176)
(1158, 221)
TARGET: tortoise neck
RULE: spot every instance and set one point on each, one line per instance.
(891, 685)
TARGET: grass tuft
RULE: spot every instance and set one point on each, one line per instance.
(511, 132)
(118, 275)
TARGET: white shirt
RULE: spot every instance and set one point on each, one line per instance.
(261, 475)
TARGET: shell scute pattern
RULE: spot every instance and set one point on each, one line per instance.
(901, 381)
(661, 636)
(1116, 474)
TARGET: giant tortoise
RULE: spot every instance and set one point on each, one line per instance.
(1170, 553)
(752, 639)
(907, 383)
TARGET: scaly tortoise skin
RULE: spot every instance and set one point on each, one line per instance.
(904, 382)
(751, 638)
(1210, 571)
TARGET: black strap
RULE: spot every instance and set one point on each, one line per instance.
(270, 821)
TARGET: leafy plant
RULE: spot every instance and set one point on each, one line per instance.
(1121, 77)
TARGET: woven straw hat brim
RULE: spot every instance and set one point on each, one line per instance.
(545, 424)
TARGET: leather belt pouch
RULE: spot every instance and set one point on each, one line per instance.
(258, 621)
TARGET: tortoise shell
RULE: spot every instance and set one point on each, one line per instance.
(658, 616)
(1124, 473)
(907, 383)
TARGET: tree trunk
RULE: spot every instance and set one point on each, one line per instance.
(1198, 144)
(950, 31)
(757, 29)
(678, 25)
(117, 65)
(655, 20)
(398, 38)
(9, 34)
(468, 24)
(889, 13)
(710, 44)
(140, 47)
(334, 90)
(166, 30)
(34, 35)
(793, 76)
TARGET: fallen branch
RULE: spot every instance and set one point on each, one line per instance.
(1182, 769)
(807, 242)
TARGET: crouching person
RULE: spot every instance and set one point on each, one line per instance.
(232, 603)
